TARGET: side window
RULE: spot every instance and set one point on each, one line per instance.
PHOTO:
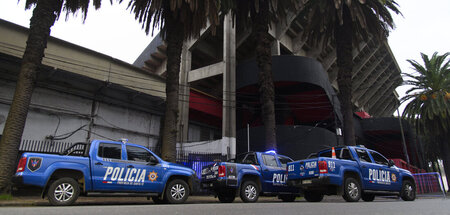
(379, 159)
(284, 161)
(269, 160)
(345, 154)
(110, 150)
(139, 154)
(363, 156)
(250, 159)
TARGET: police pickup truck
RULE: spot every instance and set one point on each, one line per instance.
(251, 175)
(105, 168)
(353, 172)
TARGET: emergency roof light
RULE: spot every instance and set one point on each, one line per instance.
(271, 152)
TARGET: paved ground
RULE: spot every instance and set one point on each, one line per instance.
(209, 205)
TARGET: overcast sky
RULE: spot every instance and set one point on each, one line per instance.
(113, 31)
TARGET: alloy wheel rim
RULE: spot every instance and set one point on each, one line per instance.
(64, 192)
(352, 190)
(250, 191)
(408, 190)
(177, 192)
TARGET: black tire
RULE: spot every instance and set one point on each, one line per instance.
(352, 190)
(367, 197)
(249, 191)
(63, 192)
(311, 196)
(158, 200)
(226, 197)
(287, 198)
(408, 192)
(177, 192)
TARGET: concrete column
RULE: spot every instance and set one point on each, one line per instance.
(275, 49)
(183, 103)
(229, 87)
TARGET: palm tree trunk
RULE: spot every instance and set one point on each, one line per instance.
(345, 64)
(42, 20)
(445, 154)
(174, 39)
(265, 80)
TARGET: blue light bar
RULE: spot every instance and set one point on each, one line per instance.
(271, 151)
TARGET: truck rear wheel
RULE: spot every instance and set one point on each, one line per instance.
(226, 197)
(177, 192)
(311, 196)
(287, 197)
(408, 192)
(64, 191)
(158, 200)
(249, 191)
(352, 190)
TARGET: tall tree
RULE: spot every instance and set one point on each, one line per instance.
(178, 20)
(258, 15)
(428, 105)
(347, 22)
(45, 13)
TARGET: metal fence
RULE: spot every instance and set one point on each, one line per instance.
(194, 160)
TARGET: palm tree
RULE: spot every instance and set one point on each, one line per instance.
(428, 107)
(45, 13)
(347, 23)
(178, 20)
(258, 15)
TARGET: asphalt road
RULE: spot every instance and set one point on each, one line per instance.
(381, 206)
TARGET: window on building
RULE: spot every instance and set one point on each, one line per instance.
(139, 154)
(110, 150)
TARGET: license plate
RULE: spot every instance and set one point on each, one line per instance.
(306, 182)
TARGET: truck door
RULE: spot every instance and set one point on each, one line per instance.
(144, 171)
(385, 175)
(367, 168)
(273, 174)
(106, 166)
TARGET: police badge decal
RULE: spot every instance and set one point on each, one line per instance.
(34, 164)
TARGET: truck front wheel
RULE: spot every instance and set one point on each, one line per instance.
(352, 190)
(249, 191)
(177, 192)
(408, 192)
(63, 191)
(313, 196)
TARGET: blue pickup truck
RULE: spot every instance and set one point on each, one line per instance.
(353, 172)
(250, 175)
(105, 168)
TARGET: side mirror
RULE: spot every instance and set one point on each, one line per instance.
(391, 163)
